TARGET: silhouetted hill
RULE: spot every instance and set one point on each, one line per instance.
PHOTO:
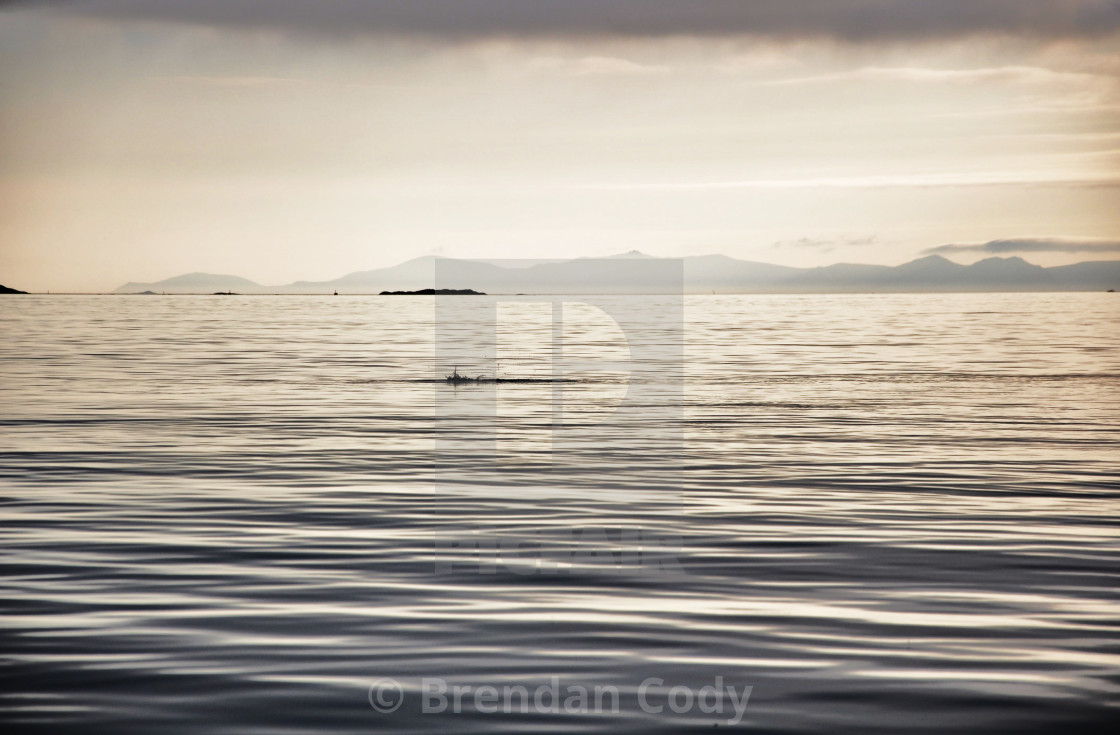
(630, 273)
(839, 277)
(930, 269)
(201, 283)
(931, 273)
(1098, 275)
(722, 273)
(5, 289)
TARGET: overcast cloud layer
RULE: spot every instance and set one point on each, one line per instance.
(288, 140)
(854, 20)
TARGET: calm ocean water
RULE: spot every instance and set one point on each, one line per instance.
(884, 513)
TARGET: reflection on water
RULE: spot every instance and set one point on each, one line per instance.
(893, 512)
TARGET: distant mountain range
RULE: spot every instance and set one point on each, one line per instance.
(195, 283)
(702, 274)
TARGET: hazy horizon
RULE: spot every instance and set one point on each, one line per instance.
(856, 474)
(142, 140)
(703, 273)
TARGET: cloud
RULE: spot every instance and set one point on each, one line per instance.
(595, 66)
(825, 245)
(1030, 245)
(1028, 75)
(233, 81)
(881, 181)
(851, 20)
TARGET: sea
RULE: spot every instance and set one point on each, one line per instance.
(864, 513)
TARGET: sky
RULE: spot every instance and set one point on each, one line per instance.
(281, 140)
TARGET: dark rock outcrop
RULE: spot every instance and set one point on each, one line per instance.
(435, 292)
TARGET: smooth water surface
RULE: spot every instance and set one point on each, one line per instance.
(884, 513)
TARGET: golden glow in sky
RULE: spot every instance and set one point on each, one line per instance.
(137, 146)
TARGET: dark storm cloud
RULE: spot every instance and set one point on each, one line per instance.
(1030, 245)
(854, 20)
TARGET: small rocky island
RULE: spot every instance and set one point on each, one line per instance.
(435, 292)
(5, 289)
